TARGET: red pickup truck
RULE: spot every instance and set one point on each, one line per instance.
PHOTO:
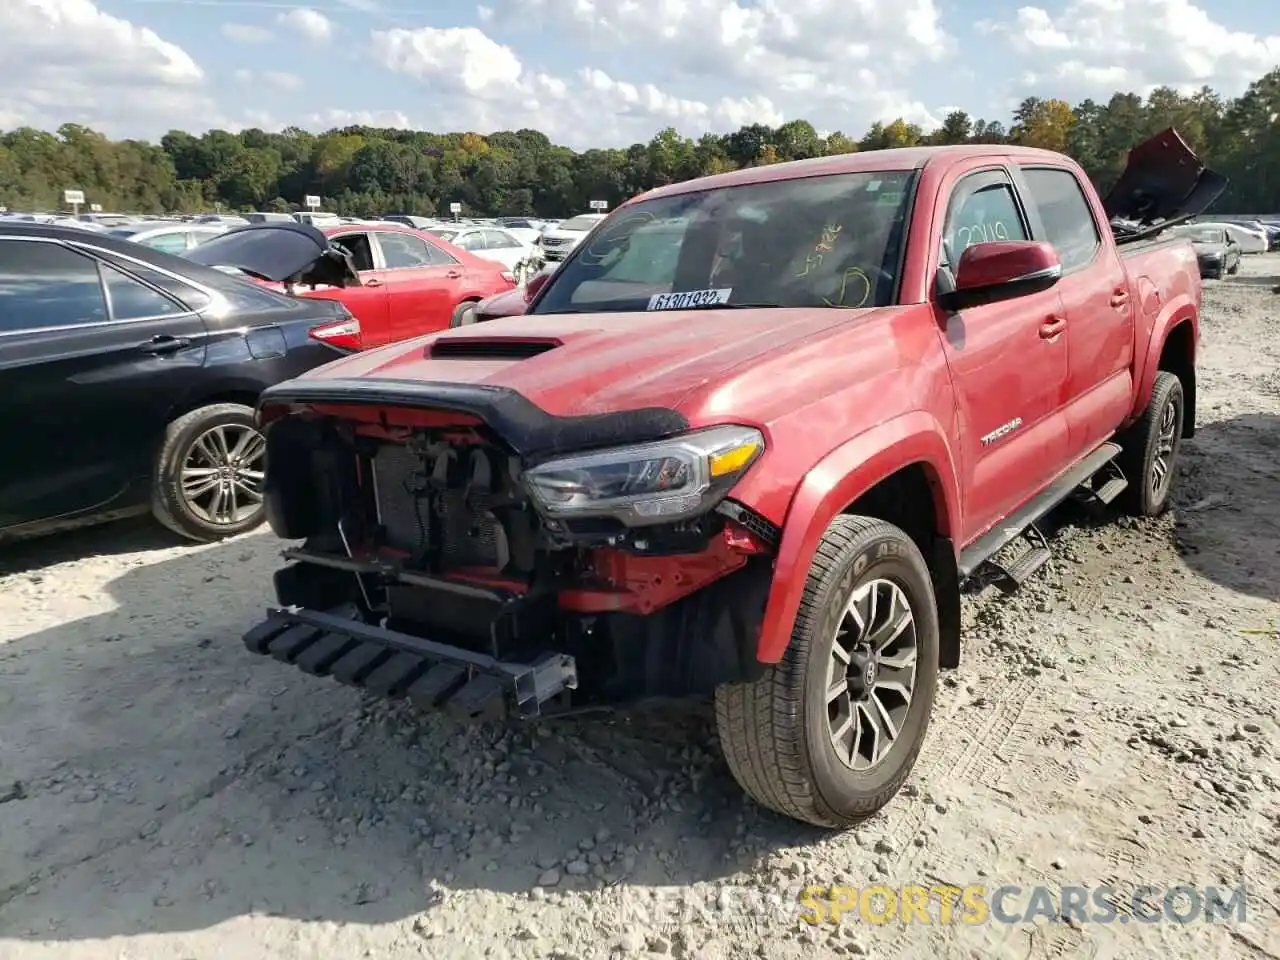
(747, 442)
(396, 282)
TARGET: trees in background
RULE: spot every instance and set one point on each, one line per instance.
(364, 171)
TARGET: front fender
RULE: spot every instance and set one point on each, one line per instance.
(836, 481)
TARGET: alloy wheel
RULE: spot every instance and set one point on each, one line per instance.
(871, 674)
(1161, 465)
(222, 474)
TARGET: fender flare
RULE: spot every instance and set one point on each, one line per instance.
(829, 487)
(1176, 312)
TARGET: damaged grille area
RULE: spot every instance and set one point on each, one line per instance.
(451, 505)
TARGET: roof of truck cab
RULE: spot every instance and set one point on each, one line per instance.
(870, 161)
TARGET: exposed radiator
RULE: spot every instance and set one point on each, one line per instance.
(423, 505)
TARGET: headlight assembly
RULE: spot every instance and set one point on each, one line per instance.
(648, 483)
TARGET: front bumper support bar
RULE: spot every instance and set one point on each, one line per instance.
(396, 665)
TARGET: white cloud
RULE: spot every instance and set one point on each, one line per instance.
(330, 119)
(840, 63)
(1094, 47)
(484, 14)
(313, 25)
(458, 58)
(246, 33)
(68, 61)
(484, 86)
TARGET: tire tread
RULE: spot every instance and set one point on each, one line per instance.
(761, 723)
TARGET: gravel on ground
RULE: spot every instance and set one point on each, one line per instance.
(166, 795)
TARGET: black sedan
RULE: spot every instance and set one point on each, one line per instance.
(1216, 251)
(128, 379)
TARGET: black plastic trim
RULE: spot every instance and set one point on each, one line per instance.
(530, 431)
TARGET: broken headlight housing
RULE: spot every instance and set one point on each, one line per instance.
(649, 483)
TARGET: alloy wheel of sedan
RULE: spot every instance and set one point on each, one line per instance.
(222, 474)
(872, 674)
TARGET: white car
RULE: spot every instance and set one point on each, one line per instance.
(176, 238)
(557, 241)
(491, 243)
(1251, 241)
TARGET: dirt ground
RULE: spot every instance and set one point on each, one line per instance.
(164, 794)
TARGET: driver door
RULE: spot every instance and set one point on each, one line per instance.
(1008, 369)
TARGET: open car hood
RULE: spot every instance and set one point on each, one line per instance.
(280, 253)
(1164, 183)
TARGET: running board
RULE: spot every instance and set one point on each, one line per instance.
(1010, 578)
(996, 539)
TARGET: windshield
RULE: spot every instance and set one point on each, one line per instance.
(1205, 235)
(446, 235)
(832, 241)
(580, 224)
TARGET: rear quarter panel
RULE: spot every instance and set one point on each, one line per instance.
(1165, 290)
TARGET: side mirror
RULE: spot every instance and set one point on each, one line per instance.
(537, 282)
(1001, 270)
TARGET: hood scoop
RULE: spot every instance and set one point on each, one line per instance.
(492, 348)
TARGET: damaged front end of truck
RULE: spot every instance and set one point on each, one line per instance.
(464, 549)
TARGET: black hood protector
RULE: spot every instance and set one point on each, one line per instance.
(531, 432)
(281, 253)
(1164, 183)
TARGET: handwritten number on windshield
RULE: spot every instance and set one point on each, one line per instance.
(825, 245)
(853, 280)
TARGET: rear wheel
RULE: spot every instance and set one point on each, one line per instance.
(829, 735)
(209, 474)
(1151, 445)
(464, 314)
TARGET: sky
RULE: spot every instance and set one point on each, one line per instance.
(601, 72)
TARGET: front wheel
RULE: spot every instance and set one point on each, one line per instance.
(1150, 449)
(830, 733)
(209, 473)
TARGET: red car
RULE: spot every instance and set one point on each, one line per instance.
(397, 282)
(748, 444)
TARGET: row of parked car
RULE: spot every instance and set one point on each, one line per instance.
(1220, 244)
(132, 353)
(515, 242)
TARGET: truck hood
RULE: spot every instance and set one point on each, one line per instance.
(1163, 183)
(584, 365)
(280, 252)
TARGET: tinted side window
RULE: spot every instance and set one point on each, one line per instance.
(402, 250)
(133, 300)
(983, 210)
(438, 257)
(183, 292)
(1068, 221)
(47, 285)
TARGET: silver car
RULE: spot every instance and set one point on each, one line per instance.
(176, 238)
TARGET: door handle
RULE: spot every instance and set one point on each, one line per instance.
(372, 282)
(453, 274)
(1053, 327)
(164, 344)
(1120, 298)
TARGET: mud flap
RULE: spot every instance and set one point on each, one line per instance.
(397, 665)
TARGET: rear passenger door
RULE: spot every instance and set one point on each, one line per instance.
(1096, 303)
(424, 284)
(92, 360)
(1009, 378)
